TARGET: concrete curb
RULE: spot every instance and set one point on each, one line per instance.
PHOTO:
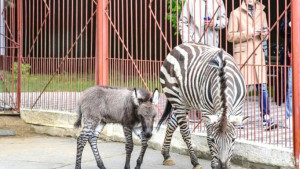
(246, 154)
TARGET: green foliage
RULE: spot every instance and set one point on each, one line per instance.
(25, 68)
(176, 7)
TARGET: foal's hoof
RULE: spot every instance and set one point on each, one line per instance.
(169, 162)
(197, 167)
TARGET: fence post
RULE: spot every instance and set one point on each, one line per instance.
(101, 74)
(296, 78)
(19, 50)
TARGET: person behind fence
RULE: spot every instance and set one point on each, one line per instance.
(247, 27)
(285, 29)
(200, 15)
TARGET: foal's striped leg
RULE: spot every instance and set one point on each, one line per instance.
(84, 136)
(128, 145)
(142, 153)
(93, 142)
(172, 125)
(139, 132)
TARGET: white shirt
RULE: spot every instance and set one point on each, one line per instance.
(191, 23)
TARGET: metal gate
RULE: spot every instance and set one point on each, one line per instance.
(10, 57)
(58, 46)
(59, 49)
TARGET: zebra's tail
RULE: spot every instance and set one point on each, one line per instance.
(77, 124)
(165, 115)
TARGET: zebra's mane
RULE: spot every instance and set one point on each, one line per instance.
(223, 87)
(219, 63)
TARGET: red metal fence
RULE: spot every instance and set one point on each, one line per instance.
(9, 44)
(133, 37)
(141, 33)
(58, 53)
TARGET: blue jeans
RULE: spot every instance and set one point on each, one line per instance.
(264, 103)
(289, 97)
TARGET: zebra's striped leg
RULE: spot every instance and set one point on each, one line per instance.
(84, 136)
(185, 132)
(128, 146)
(93, 142)
(172, 125)
(142, 153)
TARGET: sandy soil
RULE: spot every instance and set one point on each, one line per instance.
(15, 123)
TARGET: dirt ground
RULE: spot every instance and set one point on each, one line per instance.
(15, 123)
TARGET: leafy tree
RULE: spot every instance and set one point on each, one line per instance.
(175, 6)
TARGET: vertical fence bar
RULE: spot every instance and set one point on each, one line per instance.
(296, 78)
(20, 52)
(101, 45)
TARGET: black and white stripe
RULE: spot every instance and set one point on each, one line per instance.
(196, 76)
(90, 133)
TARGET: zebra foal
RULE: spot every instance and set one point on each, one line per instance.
(197, 76)
(134, 109)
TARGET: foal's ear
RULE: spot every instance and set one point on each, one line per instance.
(155, 97)
(135, 97)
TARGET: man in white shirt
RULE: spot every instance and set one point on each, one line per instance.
(196, 17)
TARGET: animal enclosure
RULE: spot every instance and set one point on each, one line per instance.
(52, 50)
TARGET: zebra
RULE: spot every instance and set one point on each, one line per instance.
(135, 109)
(206, 78)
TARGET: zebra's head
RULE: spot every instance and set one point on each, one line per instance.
(221, 137)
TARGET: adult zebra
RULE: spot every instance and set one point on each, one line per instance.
(202, 77)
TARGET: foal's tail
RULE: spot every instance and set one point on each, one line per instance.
(165, 115)
(77, 124)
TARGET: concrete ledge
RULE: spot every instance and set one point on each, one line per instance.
(247, 154)
(49, 118)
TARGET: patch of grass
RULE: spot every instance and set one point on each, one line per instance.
(72, 82)
(119, 79)
(37, 82)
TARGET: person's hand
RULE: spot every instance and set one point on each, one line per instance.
(290, 24)
(257, 32)
(265, 32)
(208, 23)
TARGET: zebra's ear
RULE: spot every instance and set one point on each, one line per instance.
(155, 97)
(135, 97)
(209, 119)
(237, 120)
(217, 61)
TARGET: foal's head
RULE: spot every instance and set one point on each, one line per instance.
(146, 109)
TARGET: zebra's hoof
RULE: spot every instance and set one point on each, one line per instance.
(169, 162)
(197, 167)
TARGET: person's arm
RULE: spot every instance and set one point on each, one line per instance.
(265, 35)
(234, 35)
(221, 21)
(183, 23)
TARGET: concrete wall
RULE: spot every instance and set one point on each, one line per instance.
(246, 154)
